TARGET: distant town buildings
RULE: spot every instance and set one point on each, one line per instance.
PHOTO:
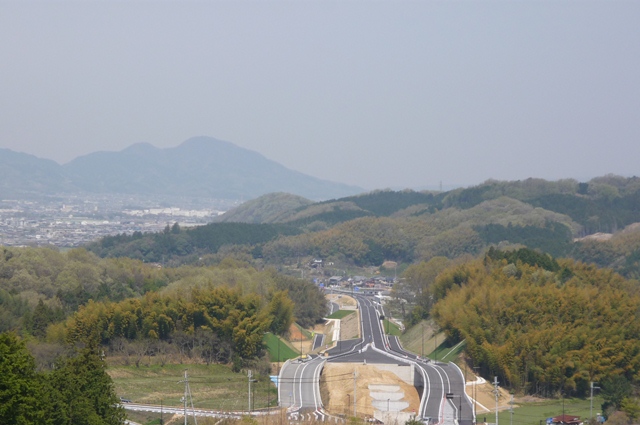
(72, 221)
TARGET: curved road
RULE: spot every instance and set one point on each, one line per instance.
(443, 400)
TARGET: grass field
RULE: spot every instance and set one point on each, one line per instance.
(419, 338)
(276, 347)
(341, 314)
(391, 328)
(212, 386)
(537, 413)
(447, 354)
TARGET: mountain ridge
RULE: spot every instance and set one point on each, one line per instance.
(199, 167)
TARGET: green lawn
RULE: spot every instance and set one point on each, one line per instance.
(447, 354)
(278, 347)
(391, 328)
(341, 314)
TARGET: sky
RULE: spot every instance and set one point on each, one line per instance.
(379, 94)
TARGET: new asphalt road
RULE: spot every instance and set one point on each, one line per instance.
(443, 400)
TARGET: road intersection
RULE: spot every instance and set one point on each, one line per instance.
(443, 399)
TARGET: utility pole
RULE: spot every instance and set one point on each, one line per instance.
(497, 393)
(186, 384)
(187, 395)
(592, 388)
(563, 419)
(355, 409)
(250, 375)
(511, 409)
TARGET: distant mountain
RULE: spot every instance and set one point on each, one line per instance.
(26, 175)
(199, 167)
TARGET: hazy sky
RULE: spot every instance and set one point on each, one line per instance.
(372, 93)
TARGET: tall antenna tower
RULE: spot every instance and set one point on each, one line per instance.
(187, 396)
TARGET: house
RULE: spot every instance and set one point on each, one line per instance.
(335, 280)
(566, 420)
(316, 263)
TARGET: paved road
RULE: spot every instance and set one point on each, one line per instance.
(318, 341)
(178, 410)
(299, 381)
(299, 388)
(443, 378)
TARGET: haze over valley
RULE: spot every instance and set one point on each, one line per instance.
(329, 211)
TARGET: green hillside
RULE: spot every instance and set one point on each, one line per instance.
(408, 226)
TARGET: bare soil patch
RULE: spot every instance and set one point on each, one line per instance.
(350, 326)
(485, 398)
(342, 300)
(298, 340)
(336, 386)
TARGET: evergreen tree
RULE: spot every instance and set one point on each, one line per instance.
(20, 390)
(82, 392)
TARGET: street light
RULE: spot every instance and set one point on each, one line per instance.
(475, 390)
(422, 326)
(300, 342)
(592, 388)
(435, 352)
(278, 354)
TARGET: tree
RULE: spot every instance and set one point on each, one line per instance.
(82, 393)
(20, 390)
(280, 309)
(614, 390)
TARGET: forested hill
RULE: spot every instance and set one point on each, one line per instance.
(408, 226)
(270, 208)
(604, 204)
(540, 325)
(77, 297)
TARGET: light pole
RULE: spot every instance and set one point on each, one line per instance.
(475, 391)
(592, 388)
(435, 350)
(422, 326)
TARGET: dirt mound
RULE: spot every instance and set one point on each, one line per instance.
(337, 389)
